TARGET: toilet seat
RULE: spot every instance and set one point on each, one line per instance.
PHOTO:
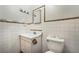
(49, 52)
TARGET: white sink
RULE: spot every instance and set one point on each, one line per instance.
(32, 34)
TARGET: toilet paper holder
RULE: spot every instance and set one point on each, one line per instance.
(34, 41)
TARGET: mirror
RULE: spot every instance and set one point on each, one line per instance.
(38, 14)
(61, 12)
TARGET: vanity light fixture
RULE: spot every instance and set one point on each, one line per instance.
(24, 11)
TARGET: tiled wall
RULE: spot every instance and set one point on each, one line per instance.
(9, 36)
(68, 30)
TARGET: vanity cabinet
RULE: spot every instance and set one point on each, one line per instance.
(30, 45)
(25, 45)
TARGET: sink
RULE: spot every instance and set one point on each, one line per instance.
(32, 34)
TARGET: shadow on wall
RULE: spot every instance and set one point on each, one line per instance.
(66, 50)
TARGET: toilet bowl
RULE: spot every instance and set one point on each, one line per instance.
(55, 45)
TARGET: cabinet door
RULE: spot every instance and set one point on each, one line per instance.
(37, 48)
(25, 46)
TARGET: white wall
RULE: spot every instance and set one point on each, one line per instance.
(11, 12)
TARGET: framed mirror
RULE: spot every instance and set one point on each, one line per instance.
(61, 12)
(38, 14)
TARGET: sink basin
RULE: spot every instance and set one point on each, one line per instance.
(32, 34)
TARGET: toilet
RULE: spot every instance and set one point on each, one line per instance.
(55, 45)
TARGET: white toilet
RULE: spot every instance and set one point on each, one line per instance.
(55, 45)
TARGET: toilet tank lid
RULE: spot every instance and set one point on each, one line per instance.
(55, 39)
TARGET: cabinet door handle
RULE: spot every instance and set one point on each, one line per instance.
(34, 41)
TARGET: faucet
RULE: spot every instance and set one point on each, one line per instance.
(34, 32)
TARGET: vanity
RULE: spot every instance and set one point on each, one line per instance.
(31, 42)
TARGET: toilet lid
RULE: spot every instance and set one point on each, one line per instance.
(49, 52)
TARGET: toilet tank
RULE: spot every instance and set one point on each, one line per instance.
(55, 44)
